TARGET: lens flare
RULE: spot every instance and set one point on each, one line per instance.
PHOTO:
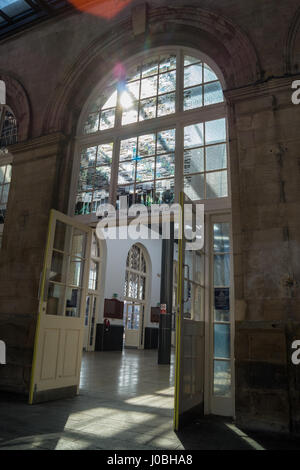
(107, 9)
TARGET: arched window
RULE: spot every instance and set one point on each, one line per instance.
(157, 126)
(135, 296)
(8, 136)
(8, 127)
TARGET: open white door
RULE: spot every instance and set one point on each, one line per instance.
(60, 326)
(190, 351)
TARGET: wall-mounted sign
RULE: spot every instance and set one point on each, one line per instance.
(163, 308)
(222, 298)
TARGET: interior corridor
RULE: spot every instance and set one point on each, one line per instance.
(125, 403)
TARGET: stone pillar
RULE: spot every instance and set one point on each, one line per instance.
(264, 150)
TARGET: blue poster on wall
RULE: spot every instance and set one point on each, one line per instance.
(222, 298)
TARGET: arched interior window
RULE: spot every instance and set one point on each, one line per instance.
(158, 128)
(8, 127)
(135, 296)
(8, 136)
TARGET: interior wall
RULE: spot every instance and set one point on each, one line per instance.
(117, 251)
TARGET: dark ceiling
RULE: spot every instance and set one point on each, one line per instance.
(19, 14)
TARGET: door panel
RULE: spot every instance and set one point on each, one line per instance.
(189, 370)
(60, 326)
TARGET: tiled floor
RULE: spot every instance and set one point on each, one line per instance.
(125, 402)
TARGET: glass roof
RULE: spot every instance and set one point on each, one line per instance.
(17, 14)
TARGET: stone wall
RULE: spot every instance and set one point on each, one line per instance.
(256, 45)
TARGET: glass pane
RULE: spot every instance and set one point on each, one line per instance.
(128, 149)
(188, 60)
(107, 120)
(92, 123)
(93, 276)
(221, 238)
(213, 93)
(134, 257)
(2, 173)
(60, 235)
(87, 309)
(133, 89)
(78, 243)
(164, 192)
(83, 203)
(104, 155)
(143, 263)
(142, 288)
(102, 177)
(192, 75)
(222, 315)
(145, 169)
(166, 104)
(93, 320)
(73, 302)
(100, 198)
(147, 109)
(126, 191)
(194, 160)
(75, 272)
(149, 87)
(222, 341)
(111, 102)
(55, 299)
(165, 166)
(130, 115)
(215, 131)
(145, 193)
(14, 7)
(59, 264)
(126, 172)
(222, 270)
(222, 378)
(7, 174)
(193, 136)
(167, 62)
(216, 157)
(86, 179)
(5, 191)
(133, 286)
(209, 74)
(150, 67)
(88, 157)
(166, 141)
(216, 185)
(192, 98)
(146, 145)
(167, 82)
(134, 72)
(194, 187)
